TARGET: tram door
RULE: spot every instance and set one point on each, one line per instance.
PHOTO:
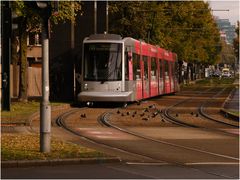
(137, 76)
(160, 75)
(145, 77)
(166, 77)
(172, 76)
(153, 78)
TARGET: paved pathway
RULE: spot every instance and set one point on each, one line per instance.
(233, 102)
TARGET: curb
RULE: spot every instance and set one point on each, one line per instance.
(228, 114)
(55, 162)
(225, 111)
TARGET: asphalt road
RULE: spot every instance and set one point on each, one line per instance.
(123, 171)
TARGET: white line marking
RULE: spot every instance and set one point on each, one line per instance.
(187, 164)
(213, 163)
(147, 163)
(100, 132)
(105, 137)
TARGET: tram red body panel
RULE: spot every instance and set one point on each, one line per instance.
(139, 90)
(137, 47)
(154, 86)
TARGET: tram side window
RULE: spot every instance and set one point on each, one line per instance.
(173, 68)
(169, 68)
(153, 68)
(145, 61)
(136, 67)
(166, 68)
(126, 66)
(161, 68)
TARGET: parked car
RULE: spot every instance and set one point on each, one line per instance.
(217, 74)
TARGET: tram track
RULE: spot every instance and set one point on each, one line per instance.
(104, 120)
(104, 117)
(220, 119)
(200, 115)
(60, 121)
(163, 146)
(203, 106)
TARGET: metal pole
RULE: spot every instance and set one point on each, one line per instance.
(72, 26)
(45, 108)
(72, 48)
(95, 17)
(6, 29)
(106, 16)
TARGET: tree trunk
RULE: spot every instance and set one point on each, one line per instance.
(180, 77)
(23, 86)
(14, 45)
(15, 60)
(187, 74)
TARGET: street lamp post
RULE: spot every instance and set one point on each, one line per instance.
(107, 16)
(44, 9)
(95, 17)
(45, 108)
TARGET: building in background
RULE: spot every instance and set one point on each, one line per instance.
(227, 35)
(223, 36)
(226, 29)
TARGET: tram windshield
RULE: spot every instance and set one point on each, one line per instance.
(102, 61)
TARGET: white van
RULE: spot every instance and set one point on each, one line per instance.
(226, 72)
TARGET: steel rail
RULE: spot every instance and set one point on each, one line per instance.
(205, 115)
(104, 120)
(174, 120)
(60, 121)
(170, 118)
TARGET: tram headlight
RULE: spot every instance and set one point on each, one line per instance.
(85, 87)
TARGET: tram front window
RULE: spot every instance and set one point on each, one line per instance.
(102, 62)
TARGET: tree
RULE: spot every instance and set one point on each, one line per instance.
(236, 42)
(29, 21)
(138, 19)
(186, 28)
(227, 54)
(127, 19)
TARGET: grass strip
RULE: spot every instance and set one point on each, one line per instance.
(26, 147)
(233, 112)
(20, 111)
(215, 81)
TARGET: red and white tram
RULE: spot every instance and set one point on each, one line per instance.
(125, 70)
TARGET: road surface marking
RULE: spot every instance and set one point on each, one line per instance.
(148, 163)
(213, 163)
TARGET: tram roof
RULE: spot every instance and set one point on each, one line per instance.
(105, 37)
(147, 49)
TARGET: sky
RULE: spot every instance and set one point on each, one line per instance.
(231, 5)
